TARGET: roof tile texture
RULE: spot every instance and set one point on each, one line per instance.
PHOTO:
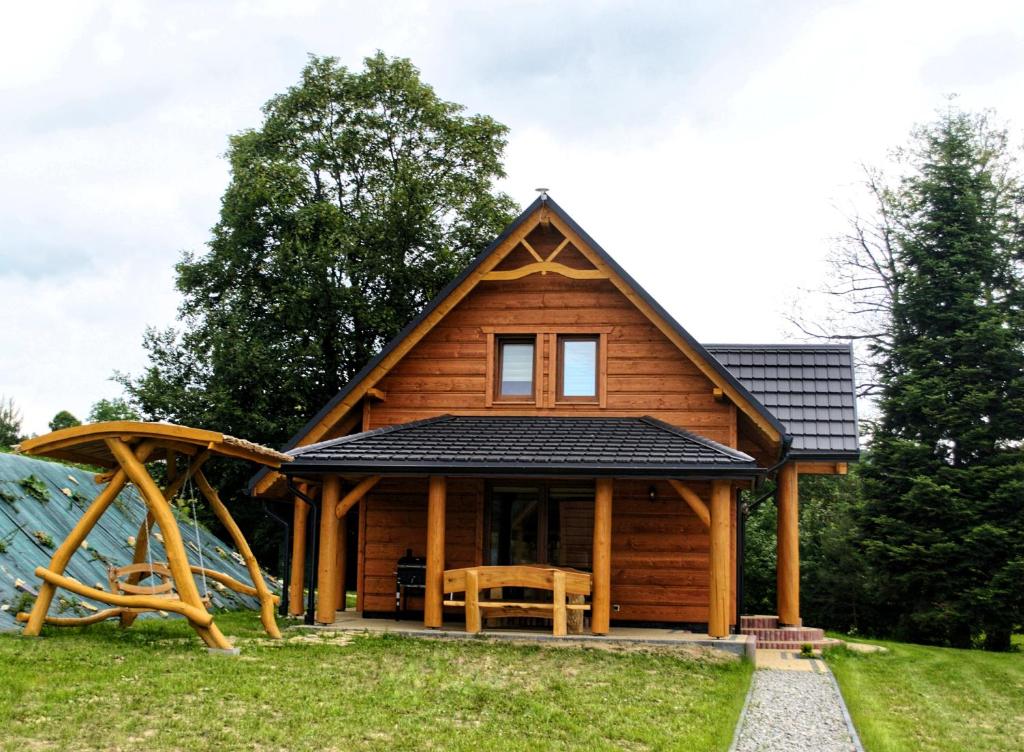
(521, 443)
(808, 387)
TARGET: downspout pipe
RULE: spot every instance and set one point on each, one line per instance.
(314, 553)
(282, 609)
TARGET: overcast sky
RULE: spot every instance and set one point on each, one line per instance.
(709, 147)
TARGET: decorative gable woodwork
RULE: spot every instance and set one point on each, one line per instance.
(542, 277)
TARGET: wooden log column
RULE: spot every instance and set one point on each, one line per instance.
(174, 547)
(297, 576)
(266, 598)
(327, 559)
(788, 546)
(433, 610)
(601, 596)
(718, 612)
(342, 560)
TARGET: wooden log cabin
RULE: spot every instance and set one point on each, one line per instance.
(545, 411)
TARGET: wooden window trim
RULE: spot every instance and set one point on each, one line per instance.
(601, 371)
(560, 395)
(494, 354)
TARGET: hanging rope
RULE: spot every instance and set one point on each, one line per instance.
(149, 538)
(195, 527)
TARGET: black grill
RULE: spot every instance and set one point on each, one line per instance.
(410, 574)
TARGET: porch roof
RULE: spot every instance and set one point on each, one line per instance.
(520, 445)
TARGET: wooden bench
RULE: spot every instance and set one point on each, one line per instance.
(569, 587)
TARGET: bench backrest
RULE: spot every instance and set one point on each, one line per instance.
(539, 577)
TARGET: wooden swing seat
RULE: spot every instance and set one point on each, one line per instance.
(140, 571)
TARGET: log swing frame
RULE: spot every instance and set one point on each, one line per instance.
(124, 447)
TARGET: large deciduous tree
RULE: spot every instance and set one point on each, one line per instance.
(935, 282)
(357, 200)
(359, 197)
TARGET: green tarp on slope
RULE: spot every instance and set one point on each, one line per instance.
(28, 525)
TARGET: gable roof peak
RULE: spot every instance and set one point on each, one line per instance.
(766, 422)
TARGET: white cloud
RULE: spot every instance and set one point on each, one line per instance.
(703, 145)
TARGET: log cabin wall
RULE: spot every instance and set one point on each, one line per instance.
(659, 548)
(393, 518)
(646, 374)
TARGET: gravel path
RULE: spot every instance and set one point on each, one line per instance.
(794, 711)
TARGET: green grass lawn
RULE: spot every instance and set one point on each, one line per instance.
(153, 687)
(922, 698)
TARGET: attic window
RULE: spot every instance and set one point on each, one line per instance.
(577, 367)
(516, 368)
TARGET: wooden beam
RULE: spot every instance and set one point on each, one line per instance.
(543, 267)
(175, 482)
(266, 598)
(821, 468)
(433, 609)
(530, 248)
(788, 552)
(197, 615)
(472, 604)
(354, 496)
(85, 524)
(561, 622)
(600, 615)
(327, 558)
(174, 547)
(719, 394)
(561, 246)
(696, 502)
(341, 560)
(718, 611)
(376, 394)
(297, 576)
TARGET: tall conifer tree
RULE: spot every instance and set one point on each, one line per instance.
(943, 520)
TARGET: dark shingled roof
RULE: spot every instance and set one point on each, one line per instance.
(809, 388)
(525, 445)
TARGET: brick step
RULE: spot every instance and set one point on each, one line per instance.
(785, 634)
(759, 622)
(821, 644)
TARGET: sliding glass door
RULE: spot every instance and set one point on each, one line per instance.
(540, 523)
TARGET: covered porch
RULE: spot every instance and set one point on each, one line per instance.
(660, 519)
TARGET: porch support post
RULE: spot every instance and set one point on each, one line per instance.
(718, 612)
(788, 551)
(434, 591)
(601, 597)
(327, 560)
(342, 561)
(297, 576)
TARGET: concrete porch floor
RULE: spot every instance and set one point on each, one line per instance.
(352, 621)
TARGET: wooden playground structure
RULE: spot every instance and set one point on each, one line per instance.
(124, 448)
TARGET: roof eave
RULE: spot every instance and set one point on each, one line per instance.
(827, 456)
(525, 469)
